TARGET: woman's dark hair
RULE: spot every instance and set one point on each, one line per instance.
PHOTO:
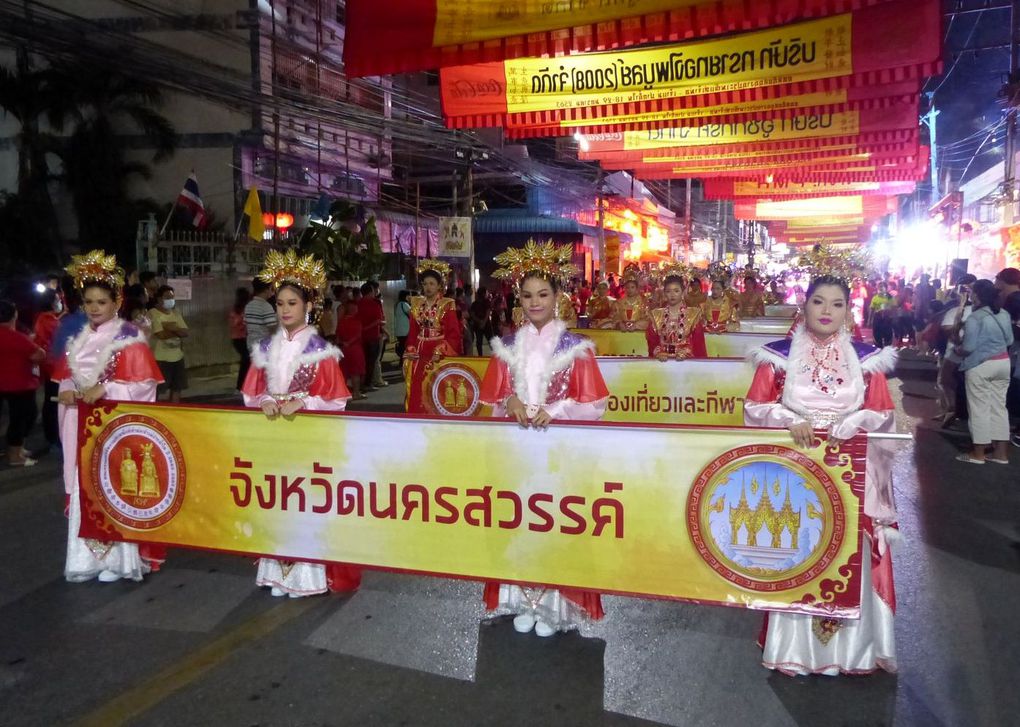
(670, 279)
(113, 290)
(130, 307)
(241, 297)
(821, 280)
(46, 301)
(302, 293)
(430, 274)
(162, 290)
(986, 295)
(403, 295)
(539, 275)
(7, 311)
(135, 291)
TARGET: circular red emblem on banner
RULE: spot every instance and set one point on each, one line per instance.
(138, 472)
(454, 391)
(766, 517)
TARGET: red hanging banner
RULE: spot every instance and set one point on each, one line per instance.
(397, 36)
(717, 189)
(865, 48)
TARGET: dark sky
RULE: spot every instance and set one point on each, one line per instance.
(967, 92)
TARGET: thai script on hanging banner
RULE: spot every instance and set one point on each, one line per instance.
(696, 391)
(794, 53)
(807, 126)
(783, 103)
(784, 188)
(468, 21)
(732, 516)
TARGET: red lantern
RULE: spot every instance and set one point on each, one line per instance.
(284, 221)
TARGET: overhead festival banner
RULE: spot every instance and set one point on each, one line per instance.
(771, 104)
(716, 189)
(736, 517)
(819, 55)
(698, 391)
(396, 36)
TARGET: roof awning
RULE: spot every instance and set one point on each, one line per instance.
(511, 223)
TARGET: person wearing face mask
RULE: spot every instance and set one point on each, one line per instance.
(541, 373)
(821, 379)
(169, 331)
(296, 370)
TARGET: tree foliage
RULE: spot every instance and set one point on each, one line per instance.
(347, 243)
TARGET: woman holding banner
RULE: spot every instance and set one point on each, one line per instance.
(540, 373)
(821, 379)
(434, 333)
(296, 370)
(675, 331)
(109, 359)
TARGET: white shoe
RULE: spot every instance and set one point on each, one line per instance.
(278, 592)
(543, 629)
(524, 623)
(832, 671)
(108, 576)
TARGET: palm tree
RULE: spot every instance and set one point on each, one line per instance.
(96, 168)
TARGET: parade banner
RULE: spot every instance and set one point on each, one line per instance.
(885, 156)
(610, 342)
(455, 238)
(841, 51)
(716, 189)
(397, 36)
(691, 111)
(728, 516)
(796, 210)
(696, 391)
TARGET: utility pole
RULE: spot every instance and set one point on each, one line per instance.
(1011, 96)
(602, 223)
(930, 119)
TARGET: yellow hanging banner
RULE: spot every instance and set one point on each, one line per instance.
(468, 21)
(731, 516)
(782, 55)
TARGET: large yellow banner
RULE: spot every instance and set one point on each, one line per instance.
(718, 515)
(467, 21)
(806, 126)
(781, 55)
(697, 391)
(783, 103)
(609, 342)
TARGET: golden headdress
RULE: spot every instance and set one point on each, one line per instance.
(719, 272)
(631, 272)
(288, 268)
(550, 260)
(96, 267)
(438, 267)
(670, 269)
(845, 264)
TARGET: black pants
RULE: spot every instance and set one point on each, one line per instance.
(1013, 397)
(401, 346)
(372, 351)
(241, 346)
(51, 426)
(882, 329)
(22, 412)
(481, 334)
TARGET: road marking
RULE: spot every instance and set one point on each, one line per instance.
(142, 697)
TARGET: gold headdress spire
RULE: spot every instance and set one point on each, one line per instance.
(719, 272)
(551, 261)
(96, 267)
(288, 268)
(673, 268)
(843, 264)
(436, 266)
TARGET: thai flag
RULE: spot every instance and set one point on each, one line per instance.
(190, 201)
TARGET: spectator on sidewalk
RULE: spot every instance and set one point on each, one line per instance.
(952, 392)
(150, 282)
(169, 331)
(327, 321)
(881, 316)
(479, 317)
(988, 334)
(19, 357)
(259, 314)
(402, 322)
(1008, 284)
(135, 310)
(349, 339)
(384, 338)
(370, 313)
(239, 333)
(51, 308)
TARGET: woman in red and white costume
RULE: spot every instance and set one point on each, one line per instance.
(540, 373)
(109, 359)
(296, 370)
(822, 379)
